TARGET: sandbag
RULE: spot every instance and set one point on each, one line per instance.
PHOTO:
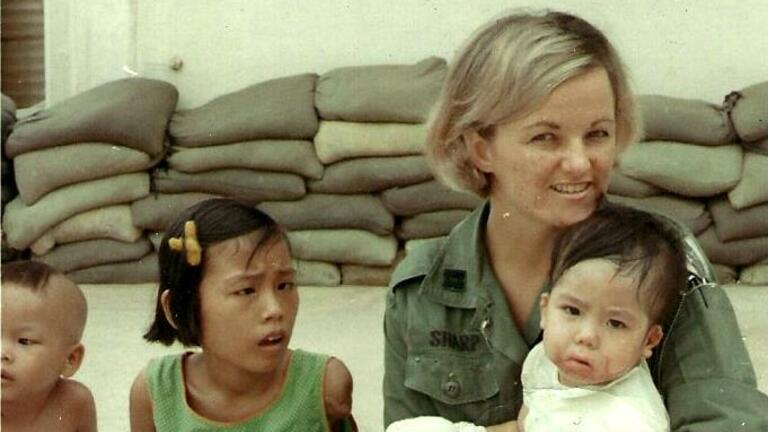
(381, 93)
(690, 213)
(432, 224)
(732, 224)
(412, 244)
(753, 187)
(89, 253)
(24, 224)
(694, 121)
(685, 169)
(750, 112)
(143, 270)
(734, 253)
(280, 108)
(41, 171)
(317, 211)
(316, 273)
(352, 274)
(760, 146)
(241, 184)
(725, 274)
(132, 112)
(344, 246)
(112, 222)
(158, 211)
(620, 184)
(756, 274)
(426, 197)
(336, 140)
(290, 156)
(365, 175)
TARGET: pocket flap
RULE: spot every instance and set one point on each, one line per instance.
(452, 379)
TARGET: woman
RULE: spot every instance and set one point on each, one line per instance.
(532, 116)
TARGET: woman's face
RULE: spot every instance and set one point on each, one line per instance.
(552, 166)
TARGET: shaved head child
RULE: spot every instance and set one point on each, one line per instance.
(43, 317)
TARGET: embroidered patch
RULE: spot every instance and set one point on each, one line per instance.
(454, 280)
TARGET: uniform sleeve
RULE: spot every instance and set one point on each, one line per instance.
(706, 376)
(399, 401)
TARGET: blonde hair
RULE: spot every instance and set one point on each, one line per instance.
(506, 70)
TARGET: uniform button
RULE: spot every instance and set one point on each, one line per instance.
(451, 388)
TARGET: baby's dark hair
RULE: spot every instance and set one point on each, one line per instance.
(33, 275)
(216, 220)
(639, 243)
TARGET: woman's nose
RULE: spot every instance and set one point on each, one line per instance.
(576, 158)
(7, 357)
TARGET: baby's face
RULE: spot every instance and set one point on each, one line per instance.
(36, 341)
(595, 330)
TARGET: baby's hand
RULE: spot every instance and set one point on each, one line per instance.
(432, 424)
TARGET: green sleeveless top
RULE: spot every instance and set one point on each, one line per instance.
(300, 406)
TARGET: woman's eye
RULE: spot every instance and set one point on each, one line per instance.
(598, 134)
(570, 310)
(245, 291)
(26, 341)
(616, 324)
(285, 286)
(544, 137)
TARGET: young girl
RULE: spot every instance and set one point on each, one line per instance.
(226, 285)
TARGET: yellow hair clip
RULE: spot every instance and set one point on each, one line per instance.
(188, 242)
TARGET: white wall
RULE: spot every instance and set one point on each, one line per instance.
(685, 48)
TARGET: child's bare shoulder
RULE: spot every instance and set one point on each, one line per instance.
(337, 389)
(74, 392)
(77, 400)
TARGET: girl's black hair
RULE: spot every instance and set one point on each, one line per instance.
(637, 242)
(216, 220)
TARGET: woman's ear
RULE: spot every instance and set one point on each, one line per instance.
(479, 150)
(165, 302)
(652, 339)
(74, 360)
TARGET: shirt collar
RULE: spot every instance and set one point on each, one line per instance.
(455, 280)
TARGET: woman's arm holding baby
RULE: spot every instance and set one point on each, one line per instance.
(337, 394)
(142, 419)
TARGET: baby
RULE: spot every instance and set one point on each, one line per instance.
(43, 316)
(616, 278)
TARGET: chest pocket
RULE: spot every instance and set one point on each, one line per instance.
(453, 379)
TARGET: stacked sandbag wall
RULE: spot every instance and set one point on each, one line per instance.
(338, 160)
(694, 165)
(78, 166)
(371, 141)
(254, 145)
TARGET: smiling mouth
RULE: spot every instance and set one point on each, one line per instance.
(570, 188)
(6, 376)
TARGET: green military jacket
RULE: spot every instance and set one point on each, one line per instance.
(453, 350)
